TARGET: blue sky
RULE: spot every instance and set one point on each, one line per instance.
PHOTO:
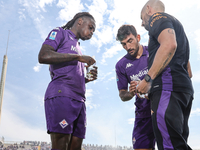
(109, 120)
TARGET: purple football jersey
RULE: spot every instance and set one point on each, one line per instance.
(130, 69)
(68, 77)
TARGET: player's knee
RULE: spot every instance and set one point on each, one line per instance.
(76, 143)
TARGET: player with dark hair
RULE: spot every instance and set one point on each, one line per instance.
(130, 69)
(65, 96)
(168, 79)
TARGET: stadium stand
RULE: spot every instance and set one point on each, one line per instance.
(38, 145)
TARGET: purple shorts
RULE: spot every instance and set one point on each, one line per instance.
(65, 115)
(143, 136)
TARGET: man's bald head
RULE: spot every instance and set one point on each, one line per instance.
(156, 5)
(151, 7)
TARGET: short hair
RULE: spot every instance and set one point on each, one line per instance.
(70, 23)
(157, 5)
(124, 31)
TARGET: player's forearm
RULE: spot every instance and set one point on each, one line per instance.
(51, 57)
(125, 96)
(162, 58)
(48, 55)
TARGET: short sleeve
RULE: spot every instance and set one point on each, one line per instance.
(55, 38)
(158, 23)
(122, 82)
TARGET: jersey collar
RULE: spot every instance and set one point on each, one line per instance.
(72, 35)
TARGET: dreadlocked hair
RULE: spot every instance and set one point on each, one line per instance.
(124, 31)
(69, 24)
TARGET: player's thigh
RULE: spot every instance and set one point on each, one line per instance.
(186, 115)
(178, 111)
(79, 130)
(155, 98)
(61, 112)
(60, 141)
(143, 135)
(75, 143)
(168, 117)
(79, 126)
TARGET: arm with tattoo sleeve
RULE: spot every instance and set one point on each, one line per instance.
(165, 52)
(125, 95)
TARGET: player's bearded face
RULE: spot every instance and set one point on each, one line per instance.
(133, 48)
(134, 51)
(146, 25)
(131, 44)
(145, 21)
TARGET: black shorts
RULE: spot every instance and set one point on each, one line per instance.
(170, 115)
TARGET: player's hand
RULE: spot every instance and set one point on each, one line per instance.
(143, 87)
(132, 87)
(87, 59)
(94, 73)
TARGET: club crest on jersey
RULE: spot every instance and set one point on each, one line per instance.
(63, 123)
(128, 65)
(53, 35)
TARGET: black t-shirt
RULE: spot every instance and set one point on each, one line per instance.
(175, 76)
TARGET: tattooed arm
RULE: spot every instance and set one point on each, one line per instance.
(126, 95)
(48, 55)
(165, 52)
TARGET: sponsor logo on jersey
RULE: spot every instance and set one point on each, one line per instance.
(134, 78)
(74, 49)
(128, 65)
(53, 35)
(63, 123)
(156, 14)
(141, 73)
(156, 18)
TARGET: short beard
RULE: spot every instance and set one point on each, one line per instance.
(136, 52)
(147, 27)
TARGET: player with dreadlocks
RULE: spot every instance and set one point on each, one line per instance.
(65, 95)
